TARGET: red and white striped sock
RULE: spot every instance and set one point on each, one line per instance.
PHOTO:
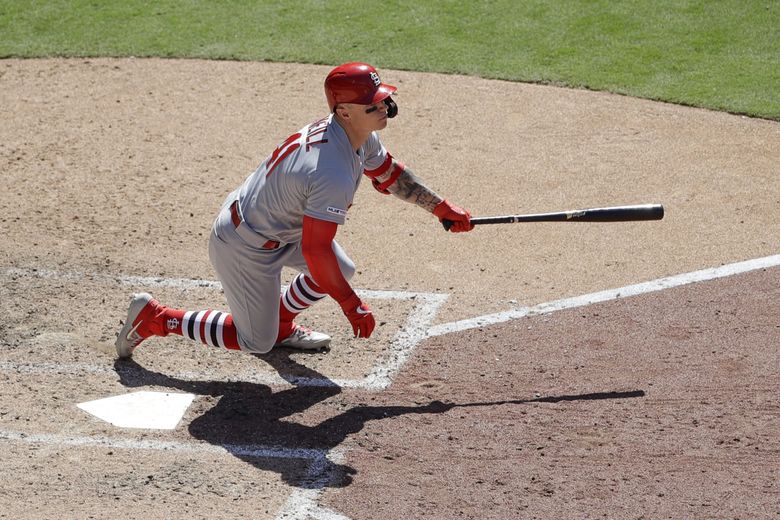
(213, 328)
(302, 293)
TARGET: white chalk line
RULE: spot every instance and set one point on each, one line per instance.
(239, 450)
(302, 502)
(607, 295)
(177, 283)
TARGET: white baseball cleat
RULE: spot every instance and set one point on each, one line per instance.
(305, 339)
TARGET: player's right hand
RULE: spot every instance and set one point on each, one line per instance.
(458, 219)
(359, 315)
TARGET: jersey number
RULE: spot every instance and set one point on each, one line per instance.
(282, 151)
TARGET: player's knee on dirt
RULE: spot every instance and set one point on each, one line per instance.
(256, 348)
(258, 345)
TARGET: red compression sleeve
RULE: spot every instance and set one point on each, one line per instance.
(317, 249)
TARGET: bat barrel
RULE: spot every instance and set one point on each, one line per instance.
(619, 213)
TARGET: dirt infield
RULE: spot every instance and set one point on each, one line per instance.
(519, 371)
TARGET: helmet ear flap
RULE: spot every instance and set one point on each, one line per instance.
(392, 107)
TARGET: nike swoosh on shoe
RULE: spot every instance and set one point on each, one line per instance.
(133, 332)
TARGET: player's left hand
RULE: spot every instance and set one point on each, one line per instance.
(359, 315)
(459, 217)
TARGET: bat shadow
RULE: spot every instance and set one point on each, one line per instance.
(257, 425)
(595, 396)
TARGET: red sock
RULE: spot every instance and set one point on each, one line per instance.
(212, 328)
(302, 293)
(286, 321)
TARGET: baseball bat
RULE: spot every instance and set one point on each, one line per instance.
(610, 214)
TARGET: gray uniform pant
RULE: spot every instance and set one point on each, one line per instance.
(251, 279)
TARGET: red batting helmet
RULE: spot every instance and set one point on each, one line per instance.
(355, 83)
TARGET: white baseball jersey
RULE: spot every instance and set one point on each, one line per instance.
(314, 172)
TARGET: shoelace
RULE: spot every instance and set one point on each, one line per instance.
(300, 331)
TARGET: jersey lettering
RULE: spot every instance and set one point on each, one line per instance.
(317, 130)
(282, 151)
(315, 135)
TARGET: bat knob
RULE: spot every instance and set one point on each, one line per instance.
(447, 224)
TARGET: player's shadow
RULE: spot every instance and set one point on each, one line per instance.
(256, 424)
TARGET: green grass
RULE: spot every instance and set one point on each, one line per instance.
(719, 54)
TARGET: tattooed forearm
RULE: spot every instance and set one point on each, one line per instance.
(410, 188)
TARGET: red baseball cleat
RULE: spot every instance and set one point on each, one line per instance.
(143, 320)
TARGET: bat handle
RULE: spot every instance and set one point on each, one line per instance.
(447, 224)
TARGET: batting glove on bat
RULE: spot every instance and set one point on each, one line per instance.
(454, 218)
(359, 315)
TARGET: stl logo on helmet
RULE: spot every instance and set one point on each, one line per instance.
(375, 79)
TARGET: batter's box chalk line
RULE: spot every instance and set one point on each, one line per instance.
(401, 347)
(607, 295)
(302, 503)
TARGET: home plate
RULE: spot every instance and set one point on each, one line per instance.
(151, 410)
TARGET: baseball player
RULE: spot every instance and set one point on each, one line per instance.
(287, 213)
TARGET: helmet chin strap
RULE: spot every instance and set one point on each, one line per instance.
(392, 108)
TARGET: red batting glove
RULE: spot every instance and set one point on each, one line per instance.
(359, 315)
(460, 218)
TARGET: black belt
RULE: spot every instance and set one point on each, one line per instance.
(235, 216)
